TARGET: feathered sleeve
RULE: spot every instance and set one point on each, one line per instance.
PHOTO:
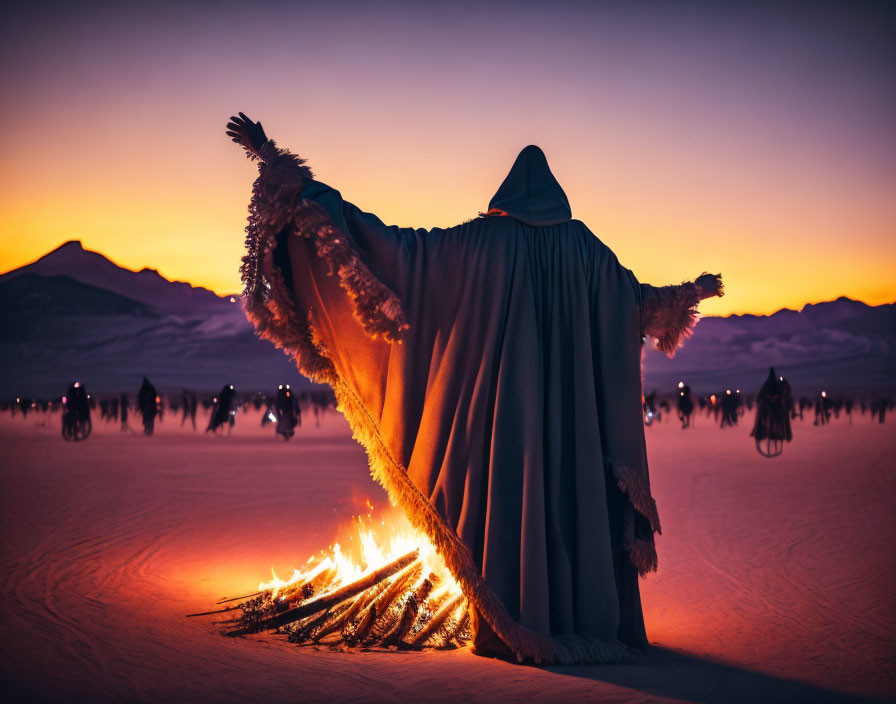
(669, 314)
(284, 200)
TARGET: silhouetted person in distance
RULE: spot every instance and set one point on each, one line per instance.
(879, 407)
(124, 408)
(194, 403)
(287, 411)
(223, 411)
(772, 426)
(685, 405)
(789, 401)
(185, 408)
(147, 402)
(730, 405)
(649, 408)
(822, 409)
(76, 413)
(24, 405)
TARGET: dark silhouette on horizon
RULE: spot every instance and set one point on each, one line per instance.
(148, 403)
(287, 411)
(771, 428)
(223, 411)
(76, 424)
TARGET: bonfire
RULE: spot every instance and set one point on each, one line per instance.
(394, 594)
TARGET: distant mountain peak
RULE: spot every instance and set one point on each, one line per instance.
(65, 246)
(71, 243)
(146, 286)
(840, 302)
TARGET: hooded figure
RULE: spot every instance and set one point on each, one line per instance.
(492, 372)
(685, 405)
(288, 413)
(730, 407)
(148, 403)
(223, 411)
(76, 423)
(772, 426)
(124, 412)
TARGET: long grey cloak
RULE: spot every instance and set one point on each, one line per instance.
(492, 372)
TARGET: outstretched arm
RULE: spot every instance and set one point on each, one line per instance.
(364, 254)
(669, 313)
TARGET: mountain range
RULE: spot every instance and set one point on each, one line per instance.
(74, 314)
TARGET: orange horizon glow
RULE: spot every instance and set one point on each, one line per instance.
(236, 292)
(697, 152)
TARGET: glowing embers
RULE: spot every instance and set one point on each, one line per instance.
(380, 593)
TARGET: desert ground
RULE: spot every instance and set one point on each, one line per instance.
(777, 578)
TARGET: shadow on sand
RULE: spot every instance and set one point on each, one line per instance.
(667, 673)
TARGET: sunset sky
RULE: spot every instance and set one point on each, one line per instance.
(758, 140)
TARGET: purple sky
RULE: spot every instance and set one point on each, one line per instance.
(753, 139)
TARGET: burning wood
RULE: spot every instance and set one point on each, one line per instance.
(337, 623)
(460, 634)
(409, 614)
(437, 622)
(363, 628)
(234, 598)
(329, 600)
(336, 602)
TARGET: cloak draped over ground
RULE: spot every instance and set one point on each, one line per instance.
(492, 372)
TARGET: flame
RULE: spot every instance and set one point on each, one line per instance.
(372, 547)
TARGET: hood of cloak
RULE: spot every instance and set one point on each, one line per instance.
(530, 193)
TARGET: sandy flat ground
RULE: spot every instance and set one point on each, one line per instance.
(776, 579)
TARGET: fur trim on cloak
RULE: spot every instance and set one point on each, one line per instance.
(276, 206)
(669, 314)
(270, 306)
(637, 537)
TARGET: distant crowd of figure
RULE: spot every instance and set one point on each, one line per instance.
(284, 408)
(774, 403)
